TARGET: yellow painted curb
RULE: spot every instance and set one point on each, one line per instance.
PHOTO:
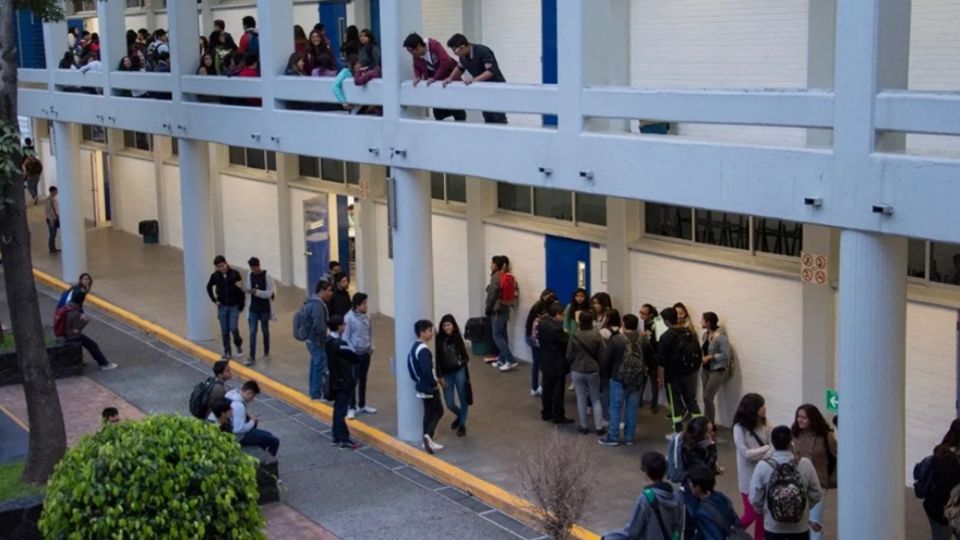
(489, 493)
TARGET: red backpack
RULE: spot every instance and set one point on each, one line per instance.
(60, 320)
(508, 289)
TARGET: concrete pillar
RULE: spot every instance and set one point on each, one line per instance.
(623, 226)
(73, 235)
(54, 45)
(287, 170)
(819, 319)
(405, 15)
(275, 23)
(871, 346)
(413, 286)
(481, 202)
(206, 18)
(197, 236)
(150, 15)
(368, 276)
(218, 159)
(184, 52)
(113, 41)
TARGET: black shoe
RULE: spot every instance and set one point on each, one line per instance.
(461, 431)
(546, 418)
(564, 421)
(455, 424)
(583, 431)
(602, 431)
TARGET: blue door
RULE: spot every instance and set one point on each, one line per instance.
(568, 266)
(343, 234)
(375, 19)
(29, 30)
(548, 47)
(317, 237)
(333, 15)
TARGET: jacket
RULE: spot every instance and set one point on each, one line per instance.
(369, 56)
(643, 523)
(420, 367)
(451, 355)
(442, 63)
(703, 453)
(240, 422)
(222, 289)
(815, 448)
(670, 343)
(75, 321)
(584, 351)
(318, 315)
(719, 347)
(340, 360)
(493, 295)
(340, 303)
(758, 492)
(358, 332)
(612, 355)
(749, 452)
(709, 518)
(261, 294)
(946, 469)
(553, 347)
(652, 345)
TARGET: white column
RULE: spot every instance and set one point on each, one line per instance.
(623, 226)
(873, 297)
(73, 235)
(197, 236)
(184, 28)
(275, 23)
(481, 202)
(150, 15)
(397, 18)
(286, 172)
(570, 74)
(54, 45)
(113, 41)
(472, 22)
(367, 234)
(218, 160)
(206, 18)
(413, 286)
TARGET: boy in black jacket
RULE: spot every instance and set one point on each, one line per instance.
(340, 361)
(225, 289)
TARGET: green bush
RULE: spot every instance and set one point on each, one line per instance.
(164, 477)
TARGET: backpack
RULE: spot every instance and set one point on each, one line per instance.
(153, 55)
(534, 334)
(34, 167)
(253, 43)
(924, 481)
(60, 320)
(64, 298)
(200, 398)
(676, 533)
(786, 492)
(508, 289)
(303, 321)
(632, 370)
(952, 510)
(676, 469)
(689, 355)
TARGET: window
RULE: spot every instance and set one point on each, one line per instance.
(309, 166)
(97, 134)
(578, 208)
(514, 198)
(134, 4)
(777, 236)
(84, 5)
(553, 203)
(331, 170)
(591, 209)
(669, 221)
(174, 147)
(945, 263)
(138, 140)
(253, 158)
(723, 229)
(448, 187)
(917, 259)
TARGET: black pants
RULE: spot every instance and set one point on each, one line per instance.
(494, 117)
(91, 346)
(443, 114)
(360, 371)
(684, 393)
(341, 400)
(432, 413)
(651, 377)
(551, 397)
(786, 536)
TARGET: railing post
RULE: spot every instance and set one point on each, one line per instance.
(275, 23)
(113, 42)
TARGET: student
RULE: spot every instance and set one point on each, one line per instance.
(774, 472)
(51, 210)
(699, 446)
(421, 369)
(221, 414)
(77, 291)
(221, 374)
(452, 371)
(600, 305)
(333, 268)
(299, 39)
(260, 288)
(814, 439)
(716, 361)
(296, 66)
(710, 514)
(340, 302)
(651, 319)
(250, 40)
(321, 30)
(341, 361)
(583, 354)
(359, 334)
(750, 436)
(110, 415)
(245, 424)
(614, 349)
(251, 68)
(680, 359)
(76, 322)
(316, 343)
(432, 63)
(369, 55)
(32, 169)
(319, 57)
(659, 510)
(553, 363)
(537, 310)
(683, 317)
(351, 43)
(225, 289)
(946, 475)
(625, 379)
(578, 303)
(480, 62)
(499, 312)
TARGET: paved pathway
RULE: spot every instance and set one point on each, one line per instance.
(358, 494)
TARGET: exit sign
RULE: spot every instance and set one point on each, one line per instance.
(833, 400)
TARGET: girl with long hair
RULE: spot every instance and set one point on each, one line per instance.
(578, 303)
(716, 361)
(699, 446)
(751, 436)
(537, 310)
(452, 371)
(683, 317)
(813, 438)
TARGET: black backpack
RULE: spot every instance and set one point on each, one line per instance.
(689, 355)
(200, 398)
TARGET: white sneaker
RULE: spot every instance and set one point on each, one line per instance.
(351, 414)
(435, 446)
(266, 358)
(508, 366)
(367, 410)
(427, 444)
(570, 388)
(534, 393)
(109, 366)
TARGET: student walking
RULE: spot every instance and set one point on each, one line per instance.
(51, 210)
(537, 310)
(751, 438)
(680, 361)
(716, 361)
(32, 169)
(225, 289)
(583, 354)
(553, 341)
(432, 63)
(658, 514)
(710, 514)
(814, 439)
(421, 369)
(260, 288)
(342, 360)
(784, 487)
(453, 373)
(359, 334)
(480, 62)
(943, 474)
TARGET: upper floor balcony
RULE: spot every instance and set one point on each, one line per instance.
(845, 163)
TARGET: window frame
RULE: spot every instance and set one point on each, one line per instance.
(574, 220)
(268, 156)
(445, 178)
(136, 135)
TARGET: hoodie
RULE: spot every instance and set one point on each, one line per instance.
(240, 421)
(644, 524)
(709, 518)
(584, 351)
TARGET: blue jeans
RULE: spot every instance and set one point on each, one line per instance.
(229, 316)
(264, 439)
(500, 337)
(341, 402)
(456, 381)
(535, 370)
(318, 368)
(264, 319)
(52, 237)
(620, 397)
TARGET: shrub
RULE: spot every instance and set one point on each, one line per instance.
(163, 477)
(557, 474)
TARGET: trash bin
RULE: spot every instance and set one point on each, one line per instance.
(478, 332)
(481, 347)
(150, 230)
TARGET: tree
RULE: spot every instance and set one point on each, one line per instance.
(557, 474)
(48, 439)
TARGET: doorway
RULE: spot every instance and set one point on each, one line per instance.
(568, 266)
(99, 209)
(317, 238)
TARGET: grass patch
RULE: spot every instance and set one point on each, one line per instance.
(10, 486)
(9, 344)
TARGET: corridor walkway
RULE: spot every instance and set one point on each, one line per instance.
(148, 280)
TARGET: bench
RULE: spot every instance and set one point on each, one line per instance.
(268, 474)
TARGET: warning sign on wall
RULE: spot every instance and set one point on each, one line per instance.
(813, 268)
